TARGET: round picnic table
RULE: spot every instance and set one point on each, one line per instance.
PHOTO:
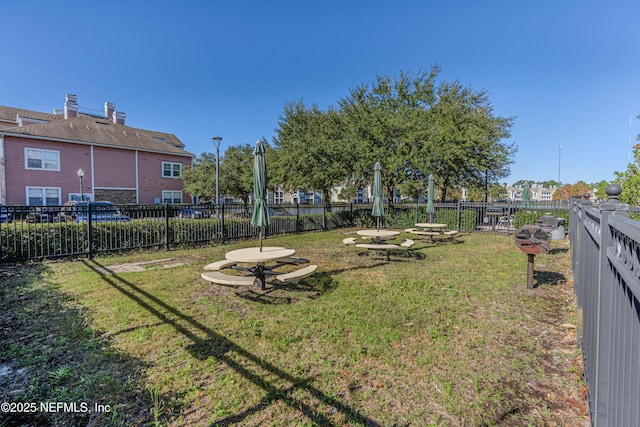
(268, 253)
(430, 229)
(378, 235)
(431, 225)
(259, 257)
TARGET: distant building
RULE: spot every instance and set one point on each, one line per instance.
(41, 154)
(538, 193)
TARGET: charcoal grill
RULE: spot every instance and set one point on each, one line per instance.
(533, 240)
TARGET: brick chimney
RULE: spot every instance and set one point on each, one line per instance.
(70, 106)
(118, 117)
(109, 109)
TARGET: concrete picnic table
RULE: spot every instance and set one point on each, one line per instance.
(268, 253)
(378, 235)
(259, 257)
(431, 225)
(429, 229)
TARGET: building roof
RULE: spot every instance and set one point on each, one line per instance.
(10, 114)
(87, 129)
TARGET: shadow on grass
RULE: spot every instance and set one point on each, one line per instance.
(225, 350)
(558, 251)
(312, 287)
(49, 353)
(548, 278)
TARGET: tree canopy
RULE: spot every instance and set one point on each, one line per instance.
(568, 191)
(311, 152)
(411, 123)
(236, 174)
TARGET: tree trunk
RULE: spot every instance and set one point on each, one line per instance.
(326, 199)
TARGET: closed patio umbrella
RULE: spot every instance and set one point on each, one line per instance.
(526, 196)
(378, 208)
(430, 209)
(260, 216)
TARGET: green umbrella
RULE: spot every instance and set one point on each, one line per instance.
(430, 209)
(260, 216)
(378, 208)
(526, 196)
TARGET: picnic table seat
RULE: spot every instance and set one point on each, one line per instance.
(410, 230)
(219, 265)
(407, 243)
(426, 233)
(228, 280)
(296, 275)
(377, 246)
(387, 247)
(349, 241)
(447, 235)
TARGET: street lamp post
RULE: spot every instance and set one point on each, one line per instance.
(80, 175)
(216, 140)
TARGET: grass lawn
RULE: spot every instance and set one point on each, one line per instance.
(451, 337)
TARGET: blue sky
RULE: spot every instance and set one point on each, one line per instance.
(567, 70)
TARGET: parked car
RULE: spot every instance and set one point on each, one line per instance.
(193, 213)
(43, 214)
(5, 215)
(100, 212)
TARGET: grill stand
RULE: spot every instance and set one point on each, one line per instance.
(530, 262)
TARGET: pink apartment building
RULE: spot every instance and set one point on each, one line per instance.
(41, 154)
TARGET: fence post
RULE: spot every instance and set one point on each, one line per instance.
(324, 217)
(297, 217)
(351, 214)
(459, 216)
(602, 380)
(90, 227)
(222, 226)
(166, 225)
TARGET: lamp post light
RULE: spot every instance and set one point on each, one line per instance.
(80, 175)
(216, 140)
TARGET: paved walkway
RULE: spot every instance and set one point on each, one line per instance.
(142, 266)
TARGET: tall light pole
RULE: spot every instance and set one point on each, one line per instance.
(559, 156)
(80, 175)
(216, 140)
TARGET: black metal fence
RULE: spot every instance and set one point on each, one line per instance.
(37, 232)
(605, 247)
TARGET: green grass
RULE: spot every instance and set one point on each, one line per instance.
(450, 338)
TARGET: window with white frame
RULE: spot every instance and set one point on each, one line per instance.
(35, 158)
(171, 170)
(171, 196)
(43, 196)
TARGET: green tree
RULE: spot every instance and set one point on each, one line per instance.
(348, 193)
(629, 180)
(236, 172)
(493, 192)
(464, 141)
(600, 188)
(548, 184)
(414, 188)
(199, 179)
(385, 123)
(311, 154)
